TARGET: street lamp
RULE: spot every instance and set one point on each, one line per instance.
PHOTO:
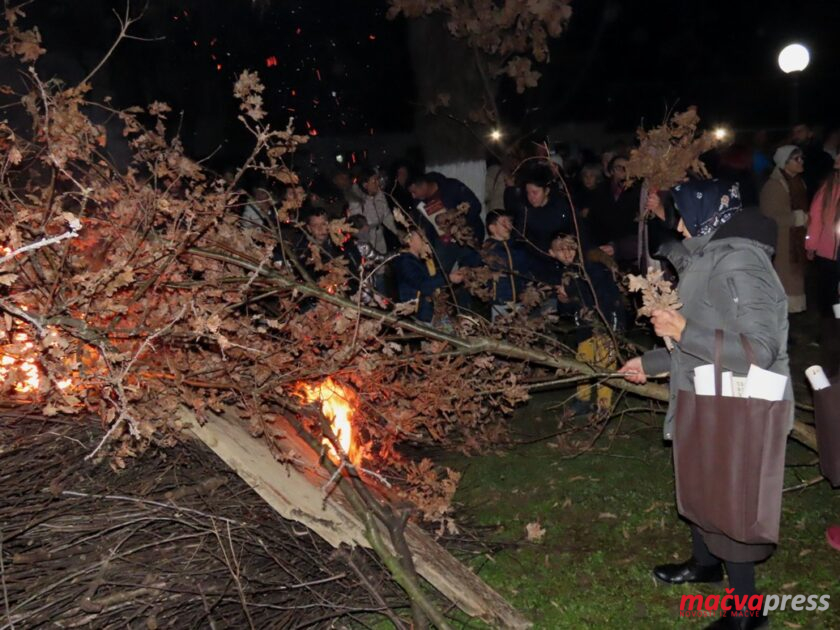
(793, 59)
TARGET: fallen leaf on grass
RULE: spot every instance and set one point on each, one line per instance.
(790, 624)
(805, 552)
(789, 585)
(655, 505)
(603, 515)
(534, 531)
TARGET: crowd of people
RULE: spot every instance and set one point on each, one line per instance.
(534, 203)
(570, 223)
(750, 247)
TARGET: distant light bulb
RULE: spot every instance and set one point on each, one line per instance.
(339, 158)
(721, 133)
(496, 135)
(794, 58)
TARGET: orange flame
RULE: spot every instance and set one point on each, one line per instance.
(19, 368)
(337, 405)
(22, 363)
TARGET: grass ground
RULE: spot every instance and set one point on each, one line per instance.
(609, 516)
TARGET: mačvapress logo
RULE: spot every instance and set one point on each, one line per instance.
(749, 605)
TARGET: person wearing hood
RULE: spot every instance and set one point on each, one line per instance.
(726, 282)
(785, 200)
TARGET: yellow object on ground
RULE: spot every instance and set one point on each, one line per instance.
(597, 351)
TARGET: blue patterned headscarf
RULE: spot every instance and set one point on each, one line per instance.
(705, 205)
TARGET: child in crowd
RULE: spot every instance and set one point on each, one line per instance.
(574, 294)
(417, 275)
(510, 260)
(576, 299)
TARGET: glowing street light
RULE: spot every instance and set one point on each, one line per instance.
(720, 133)
(794, 58)
(496, 135)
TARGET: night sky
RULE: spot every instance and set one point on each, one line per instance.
(341, 67)
(720, 55)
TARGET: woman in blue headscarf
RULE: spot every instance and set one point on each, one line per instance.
(726, 282)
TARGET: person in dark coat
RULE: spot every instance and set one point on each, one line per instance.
(585, 292)
(587, 188)
(400, 175)
(540, 210)
(315, 249)
(417, 276)
(727, 282)
(435, 195)
(574, 293)
(818, 163)
(505, 256)
(612, 217)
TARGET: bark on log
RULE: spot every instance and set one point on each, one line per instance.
(295, 492)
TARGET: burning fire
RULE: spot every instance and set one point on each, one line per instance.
(20, 363)
(19, 369)
(337, 405)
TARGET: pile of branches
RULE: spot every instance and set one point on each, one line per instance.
(181, 543)
(142, 289)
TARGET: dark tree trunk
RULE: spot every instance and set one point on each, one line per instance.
(445, 65)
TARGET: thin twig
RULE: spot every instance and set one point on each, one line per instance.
(168, 506)
(125, 22)
(45, 242)
(3, 580)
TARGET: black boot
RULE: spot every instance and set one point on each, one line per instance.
(730, 621)
(689, 571)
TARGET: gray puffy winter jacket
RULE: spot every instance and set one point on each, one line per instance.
(730, 284)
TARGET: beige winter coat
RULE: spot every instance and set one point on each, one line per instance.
(775, 203)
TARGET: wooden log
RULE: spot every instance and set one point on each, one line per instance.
(296, 492)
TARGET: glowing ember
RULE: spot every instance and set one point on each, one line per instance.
(337, 407)
(20, 369)
(18, 360)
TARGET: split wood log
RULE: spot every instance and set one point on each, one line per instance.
(802, 431)
(296, 492)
